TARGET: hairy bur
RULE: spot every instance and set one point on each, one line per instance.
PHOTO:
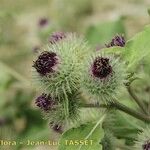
(57, 72)
(104, 74)
(57, 69)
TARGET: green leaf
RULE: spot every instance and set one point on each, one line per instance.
(103, 33)
(121, 126)
(137, 48)
(90, 134)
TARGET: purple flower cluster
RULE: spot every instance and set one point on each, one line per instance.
(146, 146)
(101, 67)
(57, 36)
(117, 41)
(45, 102)
(45, 63)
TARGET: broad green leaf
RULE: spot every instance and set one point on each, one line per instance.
(137, 48)
(103, 33)
(85, 137)
(121, 126)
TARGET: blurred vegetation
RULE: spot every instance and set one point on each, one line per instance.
(21, 36)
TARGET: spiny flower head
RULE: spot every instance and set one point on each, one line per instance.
(118, 40)
(46, 63)
(66, 111)
(57, 69)
(143, 140)
(56, 37)
(45, 102)
(103, 76)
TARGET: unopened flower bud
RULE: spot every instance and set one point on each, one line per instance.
(56, 37)
(118, 40)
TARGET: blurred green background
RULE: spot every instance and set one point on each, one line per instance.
(25, 26)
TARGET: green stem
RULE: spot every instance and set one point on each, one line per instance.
(120, 107)
(136, 99)
(15, 74)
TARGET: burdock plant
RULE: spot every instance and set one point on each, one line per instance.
(73, 77)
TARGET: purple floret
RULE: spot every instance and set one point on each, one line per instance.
(45, 63)
(56, 37)
(101, 67)
(45, 102)
(118, 40)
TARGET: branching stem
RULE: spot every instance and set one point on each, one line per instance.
(120, 107)
(136, 99)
